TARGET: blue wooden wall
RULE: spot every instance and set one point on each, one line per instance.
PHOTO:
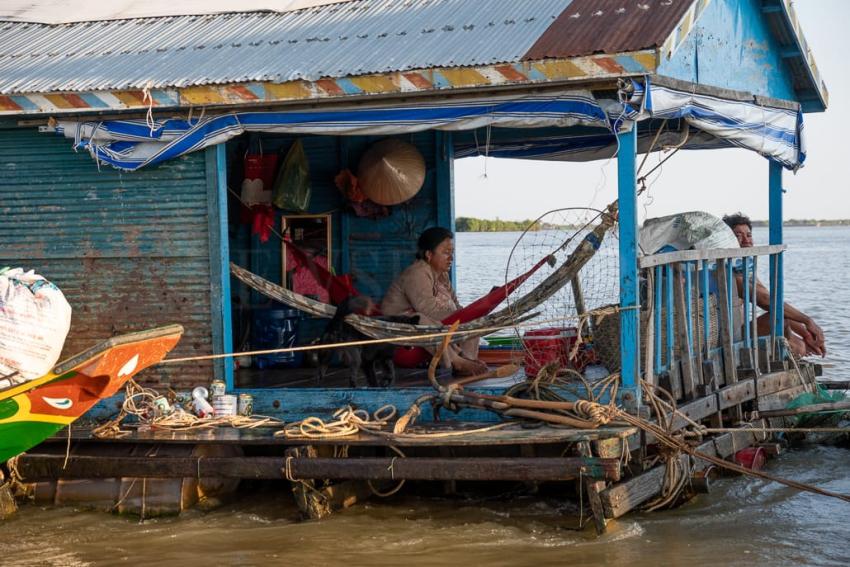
(733, 48)
(374, 251)
(130, 251)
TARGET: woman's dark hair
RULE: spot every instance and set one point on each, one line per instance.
(430, 239)
(735, 219)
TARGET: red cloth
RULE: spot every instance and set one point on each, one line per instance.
(416, 357)
(338, 288)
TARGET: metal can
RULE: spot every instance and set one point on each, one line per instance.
(246, 404)
(217, 388)
(161, 406)
(200, 404)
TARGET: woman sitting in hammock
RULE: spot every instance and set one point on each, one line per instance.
(424, 289)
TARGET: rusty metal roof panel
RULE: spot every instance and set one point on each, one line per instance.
(609, 26)
(337, 40)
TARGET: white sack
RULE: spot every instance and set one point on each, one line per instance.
(34, 321)
(695, 230)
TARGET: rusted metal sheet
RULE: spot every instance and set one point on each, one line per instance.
(609, 26)
(129, 252)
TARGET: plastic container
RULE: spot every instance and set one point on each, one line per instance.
(543, 346)
(276, 328)
(752, 458)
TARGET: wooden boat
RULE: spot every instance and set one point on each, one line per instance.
(33, 411)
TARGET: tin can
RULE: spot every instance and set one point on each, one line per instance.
(161, 406)
(224, 405)
(246, 404)
(217, 388)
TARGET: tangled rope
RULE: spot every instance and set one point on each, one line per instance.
(346, 421)
(139, 403)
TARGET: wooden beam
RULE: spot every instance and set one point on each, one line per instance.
(683, 342)
(37, 467)
(714, 254)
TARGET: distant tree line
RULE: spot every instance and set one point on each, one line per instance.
(806, 222)
(470, 224)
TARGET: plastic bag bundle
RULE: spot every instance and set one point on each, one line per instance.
(34, 321)
(694, 230)
(292, 186)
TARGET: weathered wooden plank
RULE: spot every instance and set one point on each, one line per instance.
(724, 297)
(593, 488)
(715, 254)
(735, 394)
(624, 497)
(36, 467)
(683, 342)
(8, 506)
(776, 382)
(780, 400)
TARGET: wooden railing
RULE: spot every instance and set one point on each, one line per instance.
(685, 293)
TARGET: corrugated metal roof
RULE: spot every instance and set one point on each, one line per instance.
(339, 40)
(609, 26)
(65, 11)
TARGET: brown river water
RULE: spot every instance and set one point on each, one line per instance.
(742, 521)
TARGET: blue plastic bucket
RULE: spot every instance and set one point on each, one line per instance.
(276, 328)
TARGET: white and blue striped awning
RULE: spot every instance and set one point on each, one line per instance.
(714, 122)
(132, 144)
(710, 122)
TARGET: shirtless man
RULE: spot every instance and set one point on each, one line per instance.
(804, 336)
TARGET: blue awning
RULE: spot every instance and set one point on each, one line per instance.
(775, 133)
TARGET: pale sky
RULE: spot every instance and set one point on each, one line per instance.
(716, 181)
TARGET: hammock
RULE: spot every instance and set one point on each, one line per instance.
(340, 288)
(405, 334)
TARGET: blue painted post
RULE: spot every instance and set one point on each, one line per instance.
(668, 293)
(629, 316)
(659, 282)
(689, 304)
(220, 308)
(445, 199)
(344, 217)
(777, 295)
(746, 279)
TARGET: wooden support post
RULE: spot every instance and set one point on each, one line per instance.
(8, 506)
(318, 502)
(629, 303)
(593, 488)
(697, 328)
(649, 344)
(682, 339)
(777, 291)
(753, 284)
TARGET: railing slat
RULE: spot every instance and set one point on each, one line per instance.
(683, 339)
(658, 286)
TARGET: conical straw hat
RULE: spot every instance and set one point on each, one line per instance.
(391, 172)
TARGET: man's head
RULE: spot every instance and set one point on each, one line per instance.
(742, 227)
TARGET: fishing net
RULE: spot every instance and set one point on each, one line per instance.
(559, 233)
(819, 395)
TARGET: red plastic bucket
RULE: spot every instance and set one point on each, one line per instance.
(543, 346)
(752, 458)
